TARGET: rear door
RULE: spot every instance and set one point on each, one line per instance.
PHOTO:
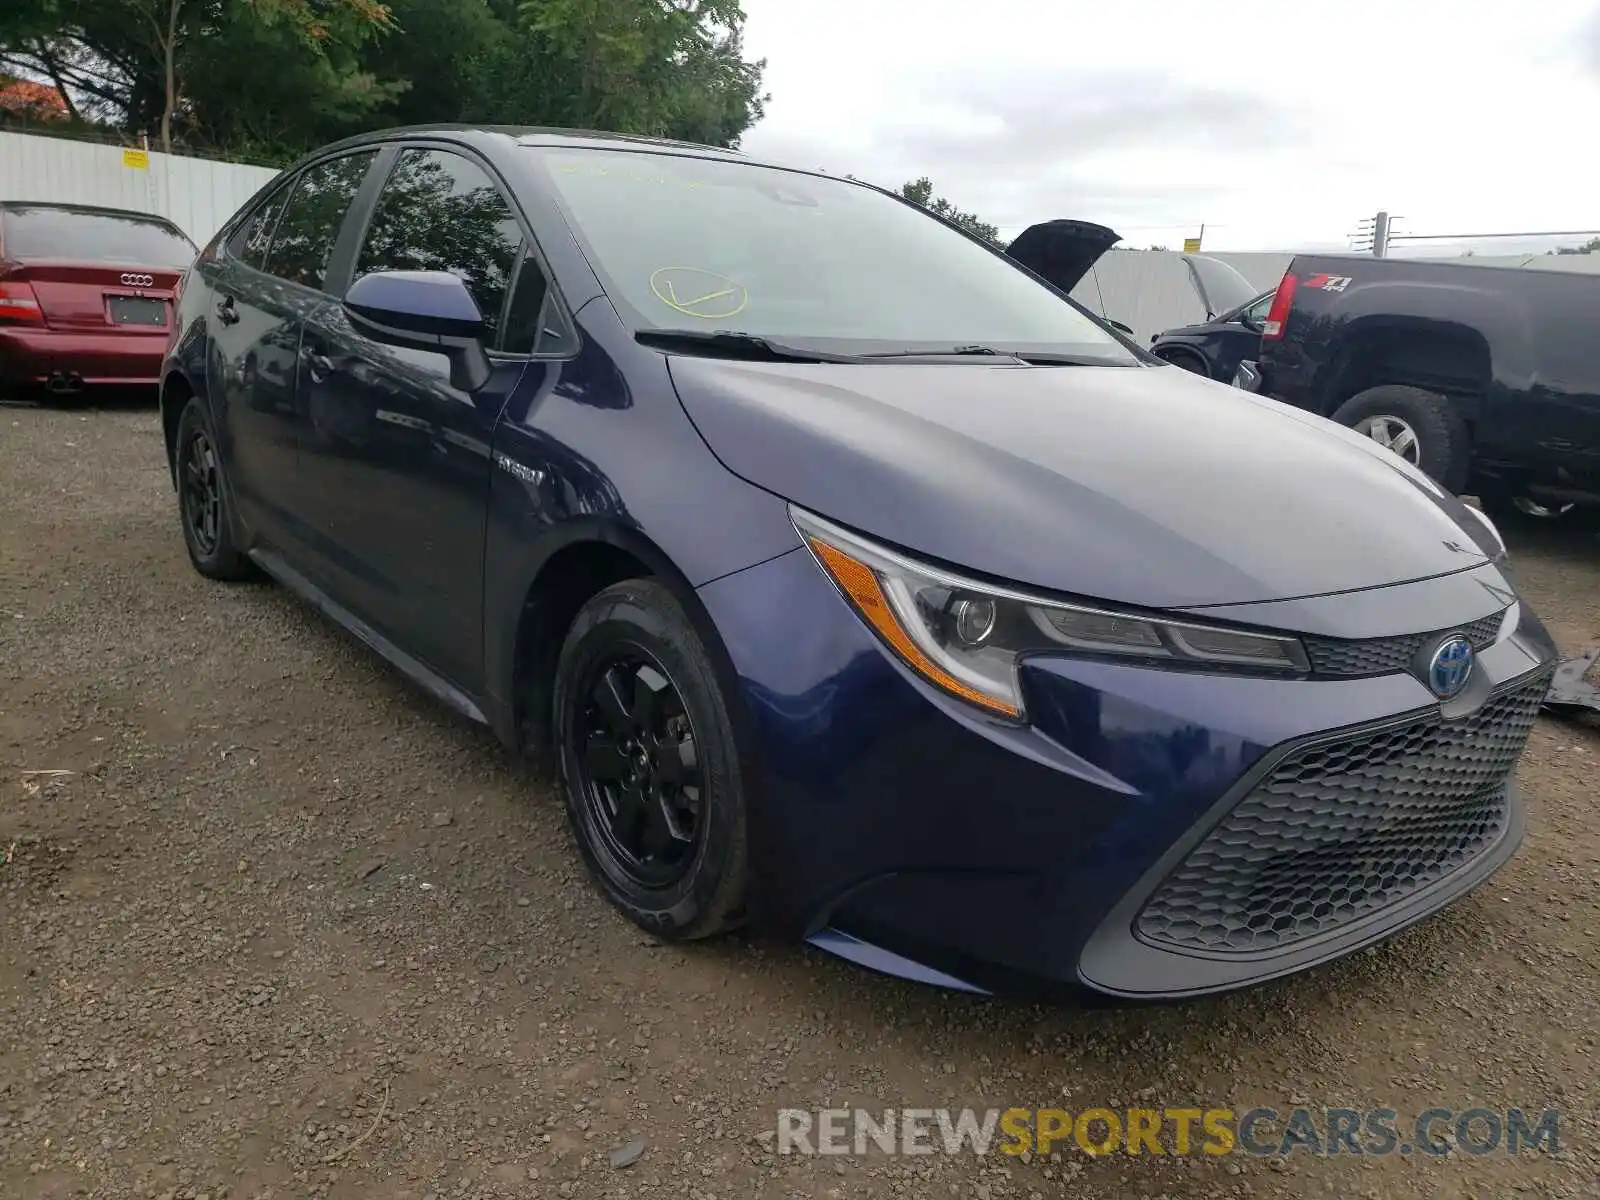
(395, 458)
(265, 286)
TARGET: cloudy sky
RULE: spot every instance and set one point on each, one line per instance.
(1279, 125)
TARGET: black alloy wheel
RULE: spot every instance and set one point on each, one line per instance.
(650, 763)
(208, 531)
(202, 493)
(639, 772)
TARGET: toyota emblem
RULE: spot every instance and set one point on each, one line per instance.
(138, 281)
(1450, 667)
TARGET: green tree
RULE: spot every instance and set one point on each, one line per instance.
(662, 68)
(1590, 247)
(139, 65)
(274, 78)
(920, 191)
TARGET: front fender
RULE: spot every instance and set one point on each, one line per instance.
(597, 449)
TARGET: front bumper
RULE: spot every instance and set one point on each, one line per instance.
(897, 825)
(30, 356)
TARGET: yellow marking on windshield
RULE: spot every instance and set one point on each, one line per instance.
(699, 293)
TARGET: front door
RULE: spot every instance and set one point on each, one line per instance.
(1238, 340)
(395, 459)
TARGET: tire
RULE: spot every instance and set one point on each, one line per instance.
(1188, 362)
(1510, 508)
(622, 642)
(1442, 444)
(203, 506)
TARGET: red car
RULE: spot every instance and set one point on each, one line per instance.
(86, 295)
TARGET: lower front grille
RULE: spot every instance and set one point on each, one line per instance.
(1341, 829)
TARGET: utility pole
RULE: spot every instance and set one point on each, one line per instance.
(1380, 235)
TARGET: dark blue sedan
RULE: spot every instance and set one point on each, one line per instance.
(861, 587)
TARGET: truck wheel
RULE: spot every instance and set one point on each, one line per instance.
(1422, 427)
(1509, 506)
(1188, 362)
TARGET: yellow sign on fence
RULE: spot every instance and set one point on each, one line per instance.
(139, 160)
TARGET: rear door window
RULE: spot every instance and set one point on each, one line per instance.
(303, 242)
(442, 212)
(30, 232)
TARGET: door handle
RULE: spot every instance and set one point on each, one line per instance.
(319, 365)
(226, 312)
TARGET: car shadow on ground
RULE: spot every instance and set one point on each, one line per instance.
(108, 399)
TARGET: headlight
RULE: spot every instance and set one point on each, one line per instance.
(968, 637)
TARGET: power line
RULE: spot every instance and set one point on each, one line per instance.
(1472, 237)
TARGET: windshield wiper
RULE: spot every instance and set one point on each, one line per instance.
(731, 344)
(1041, 358)
(728, 343)
(943, 352)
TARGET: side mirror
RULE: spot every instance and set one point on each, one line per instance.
(423, 310)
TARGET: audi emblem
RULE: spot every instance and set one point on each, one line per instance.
(138, 281)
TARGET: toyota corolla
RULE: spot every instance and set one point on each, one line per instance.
(859, 585)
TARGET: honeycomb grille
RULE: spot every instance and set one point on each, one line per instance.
(1342, 829)
(1384, 656)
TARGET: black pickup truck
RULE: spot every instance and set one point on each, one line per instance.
(1486, 377)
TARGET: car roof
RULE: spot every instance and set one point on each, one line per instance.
(92, 209)
(540, 135)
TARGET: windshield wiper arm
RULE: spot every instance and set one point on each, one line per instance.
(943, 352)
(1042, 358)
(737, 345)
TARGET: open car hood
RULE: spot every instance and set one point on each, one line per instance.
(1062, 251)
(1221, 288)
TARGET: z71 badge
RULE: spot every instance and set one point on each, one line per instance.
(1328, 283)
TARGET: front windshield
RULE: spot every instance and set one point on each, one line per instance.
(707, 244)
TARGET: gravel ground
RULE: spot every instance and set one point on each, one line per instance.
(285, 927)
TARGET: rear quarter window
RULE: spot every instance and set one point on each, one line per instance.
(250, 241)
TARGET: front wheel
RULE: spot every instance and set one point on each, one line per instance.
(649, 763)
(1420, 426)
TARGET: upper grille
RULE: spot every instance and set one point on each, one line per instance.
(1341, 829)
(1383, 656)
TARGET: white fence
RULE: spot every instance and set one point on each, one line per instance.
(1149, 290)
(195, 194)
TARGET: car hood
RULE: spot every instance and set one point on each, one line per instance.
(1221, 289)
(1061, 252)
(1144, 485)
